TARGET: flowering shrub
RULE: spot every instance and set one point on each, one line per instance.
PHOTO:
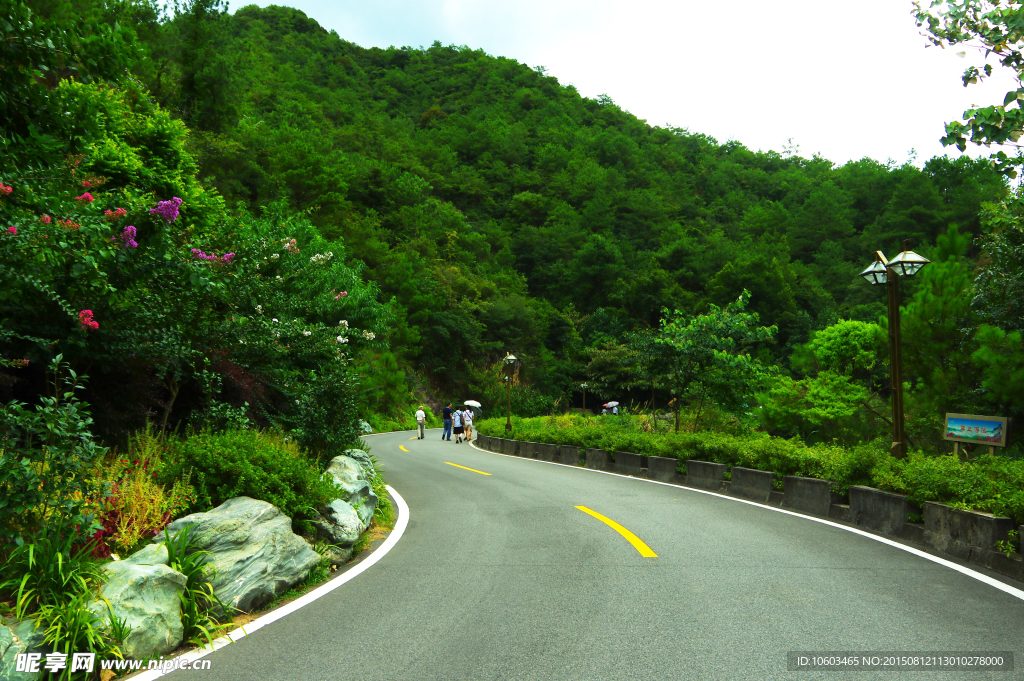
(13, 230)
(291, 246)
(167, 210)
(85, 198)
(5, 189)
(114, 215)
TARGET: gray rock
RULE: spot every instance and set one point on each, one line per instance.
(364, 460)
(145, 592)
(10, 646)
(354, 479)
(254, 553)
(339, 524)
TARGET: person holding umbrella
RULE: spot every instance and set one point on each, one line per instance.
(468, 417)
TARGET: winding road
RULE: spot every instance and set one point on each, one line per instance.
(516, 569)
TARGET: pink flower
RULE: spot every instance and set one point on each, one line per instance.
(5, 189)
(45, 219)
(86, 183)
(13, 230)
(128, 237)
(114, 215)
(86, 320)
(341, 295)
(85, 198)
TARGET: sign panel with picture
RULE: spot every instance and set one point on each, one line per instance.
(975, 429)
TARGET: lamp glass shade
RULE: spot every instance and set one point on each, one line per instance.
(876, 274)
(908, 263)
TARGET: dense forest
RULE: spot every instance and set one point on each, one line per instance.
(491, 209)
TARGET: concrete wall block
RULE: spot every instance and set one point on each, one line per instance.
(963, 533)
(482, 441)
(597, 459)
(840, 512)
(546, 452)
(629, 463)
(776, 498)
(510, 447)
(807, 495)
(569, 455)
(526, 449)
(662, 468)
(705, 474)
(752, 484)
(882, 512)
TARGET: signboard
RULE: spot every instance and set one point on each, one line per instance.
(981, 430)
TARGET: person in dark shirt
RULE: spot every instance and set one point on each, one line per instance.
(447, 434)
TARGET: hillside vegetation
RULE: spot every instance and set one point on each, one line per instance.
(493, 209)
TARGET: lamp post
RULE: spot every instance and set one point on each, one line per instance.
(888, 272)
(508, 369)
(584, 386)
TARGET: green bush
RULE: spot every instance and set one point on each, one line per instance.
(252, 464)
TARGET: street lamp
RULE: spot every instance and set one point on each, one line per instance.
(584, 386)
(508, 369)
(888, 272)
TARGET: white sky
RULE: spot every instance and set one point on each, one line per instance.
(846, 80)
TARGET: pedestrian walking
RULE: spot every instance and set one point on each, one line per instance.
(615, 411)
(421, 422)
(447, 434)
(467, 423)
(457, 425)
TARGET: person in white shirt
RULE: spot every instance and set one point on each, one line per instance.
(421, 422)
(467, 423)
(457, 425)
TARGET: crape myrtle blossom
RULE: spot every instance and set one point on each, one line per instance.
(128, 237)
(168, 210)
(13, 230)
(5, 189)
(86, 320)
(342, 340)
(291, 246)
(321, 258)
(369, 335)
(114, 215)
(212, 257)
(45, 219)
(85, 198)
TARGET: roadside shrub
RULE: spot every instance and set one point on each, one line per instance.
(137, 505)
(994, 484)
(253, 464)
(44, 455)
(404, 420)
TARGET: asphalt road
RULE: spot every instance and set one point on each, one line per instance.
(500, 576)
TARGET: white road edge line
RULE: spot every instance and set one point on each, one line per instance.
(320, 591)
(1013, 591)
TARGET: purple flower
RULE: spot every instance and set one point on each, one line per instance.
(128, 237)
(168, 210)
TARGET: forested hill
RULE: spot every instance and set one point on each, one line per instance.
(504, 211)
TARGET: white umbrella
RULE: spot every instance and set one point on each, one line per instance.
(472, 403)
(612, 404)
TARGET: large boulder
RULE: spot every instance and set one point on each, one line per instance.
(253, 551)
(338, 523)
(363, 459)
(144, 591)
(20, 637)
(352, 477)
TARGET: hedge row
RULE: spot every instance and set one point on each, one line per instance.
(993, 484)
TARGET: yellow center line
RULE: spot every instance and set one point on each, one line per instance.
(466, 469)
(402, 447)
(413, 438)
(643, 548)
